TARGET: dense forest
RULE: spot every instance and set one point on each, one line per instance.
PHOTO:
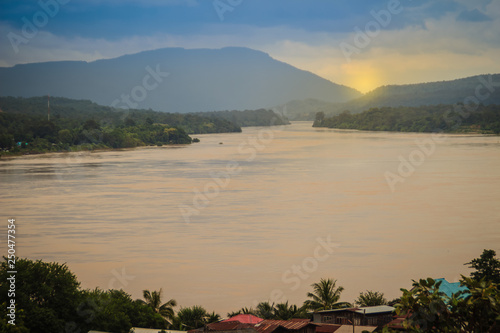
(260, 117)
(25, 126)
(458, 118)
(416, 95)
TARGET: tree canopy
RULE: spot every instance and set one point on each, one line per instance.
(371, 298)
(325, 296)
(487, 267)
(458, 118)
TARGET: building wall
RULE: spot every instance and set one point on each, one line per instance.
(346, 317)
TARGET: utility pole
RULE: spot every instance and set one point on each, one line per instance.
(48, 107)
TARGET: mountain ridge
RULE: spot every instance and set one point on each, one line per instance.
(186, 80)
(463, 90)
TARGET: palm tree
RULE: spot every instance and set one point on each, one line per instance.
(213, 318)
(265, 310)
(283, 311)
(371, 298)
(244, 310)
(325, 296)
(192, 318)
(154, 301)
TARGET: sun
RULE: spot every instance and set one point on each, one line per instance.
(362, 77)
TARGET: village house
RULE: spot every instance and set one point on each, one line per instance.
(361, 316)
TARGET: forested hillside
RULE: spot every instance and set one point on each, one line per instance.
(483, 89)
(261, 117)
(447, 118)
(25, 126)
(183, 80)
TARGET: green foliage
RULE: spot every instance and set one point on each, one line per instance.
(192, 318)
(83, 125)
(265, 310)
(47, 296)
(49, 299)
(115, 311)
(486, 267)
(260, 117)
(427, 307)
(371, 298)
(213, 318)
(154, 301)
(325, 296)
(474, 310)
(281, 311)
(457, 118)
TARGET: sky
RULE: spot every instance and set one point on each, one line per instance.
(362, 44)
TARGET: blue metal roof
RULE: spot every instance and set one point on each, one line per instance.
(450, 288)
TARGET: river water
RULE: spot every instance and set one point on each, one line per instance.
(260, 215)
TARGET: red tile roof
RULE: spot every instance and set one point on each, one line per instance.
(228, 326)
(268, 325)
(398, 321)
(245, 318)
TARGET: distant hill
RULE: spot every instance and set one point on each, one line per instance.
(457, 118)
(175, 80)
(432, 93)
(414, 95)
(246, 118)
(305, 109)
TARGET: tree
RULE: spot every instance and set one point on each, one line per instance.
(478, 308)
(265, 310)
(320, 116)
(325, 296)
(191, 318)
(475, 310)
(91, 124)
(47, 295)
(213, 318)
(154, 301)
(115, 311)
(283, 311)
(371, 298)
(426, 307)
(65, 136)
(486, 267)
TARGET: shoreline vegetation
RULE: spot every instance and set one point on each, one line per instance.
(30, 126)
(472, 305)
(451, 119)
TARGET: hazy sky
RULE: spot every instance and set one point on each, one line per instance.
(362, 44)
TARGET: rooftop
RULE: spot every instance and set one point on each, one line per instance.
(365, 310)
(245, 318)
(450, 288)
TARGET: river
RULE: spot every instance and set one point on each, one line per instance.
(260, 215)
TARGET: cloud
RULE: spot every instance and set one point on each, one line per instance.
(424, 48)
(473, 16)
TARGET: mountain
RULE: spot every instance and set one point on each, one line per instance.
(432, 93)
(175, 80)
(304, 109)
(411, 95)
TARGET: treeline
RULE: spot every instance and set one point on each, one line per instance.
(80, 124)
(25, 125)
(22, 133)
(458, 118)
(260, 117)
(48, 298)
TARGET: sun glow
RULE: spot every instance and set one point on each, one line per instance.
(363, 77)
